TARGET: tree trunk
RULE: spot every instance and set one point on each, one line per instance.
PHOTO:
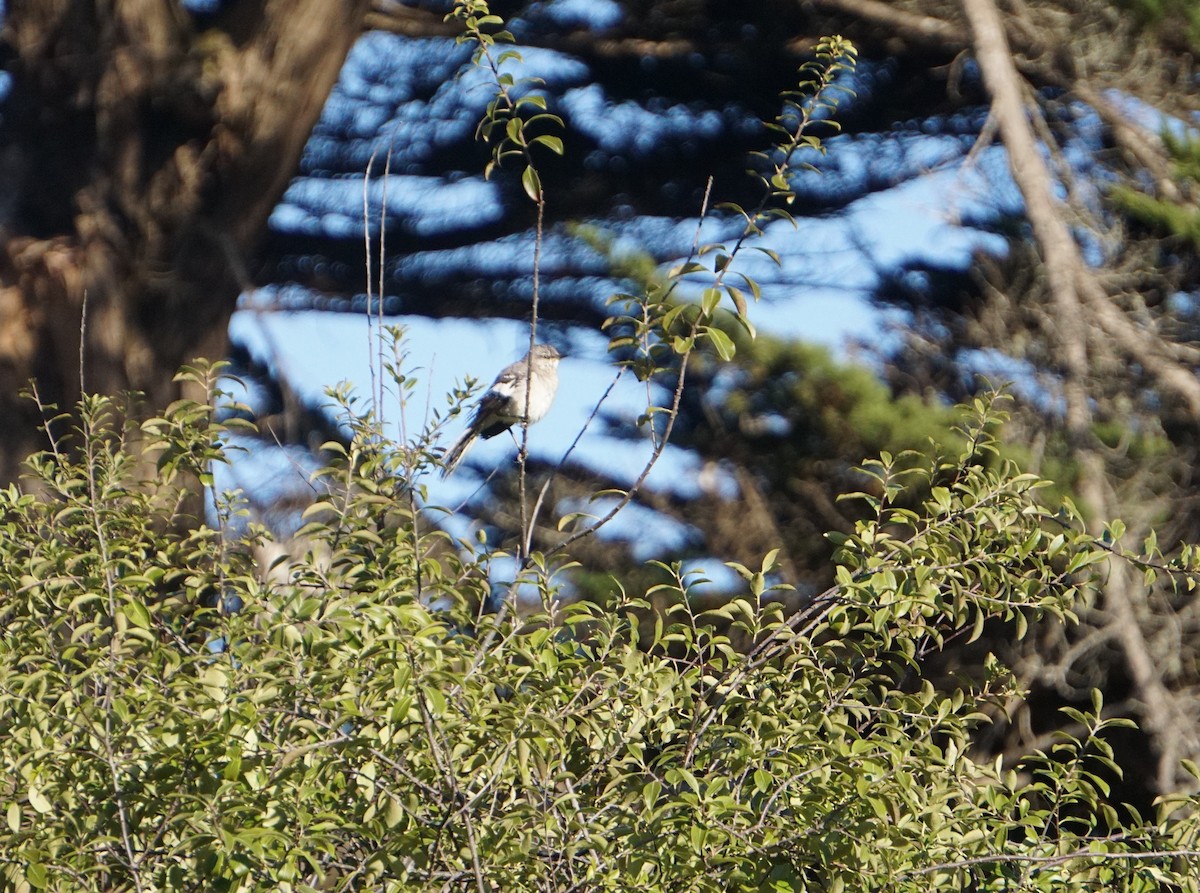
(142, 153)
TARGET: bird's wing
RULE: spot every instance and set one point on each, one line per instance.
(510, 376)
(495, 413)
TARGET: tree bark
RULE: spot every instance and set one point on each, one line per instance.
(141, 156)
(1077, 297)
(1063, 263)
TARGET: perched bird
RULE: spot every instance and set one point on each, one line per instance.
(504, 403)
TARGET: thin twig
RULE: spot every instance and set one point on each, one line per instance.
(387, 170)
(1055, 860)
(672, 413)
(83, 342)
(574, 443)
(369, 271)
(523, 452)
(114, 644)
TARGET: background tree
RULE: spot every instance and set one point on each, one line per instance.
(1103, 324)
(144, 147)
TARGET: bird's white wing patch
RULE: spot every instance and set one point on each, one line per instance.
(503, 387)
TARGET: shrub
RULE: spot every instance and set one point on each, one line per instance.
(340, 733)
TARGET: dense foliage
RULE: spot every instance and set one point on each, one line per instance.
(340, 732)
(378, 709)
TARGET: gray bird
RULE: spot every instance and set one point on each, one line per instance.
(503, 404)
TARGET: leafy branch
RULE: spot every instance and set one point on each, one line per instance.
(656, 331)
(506, 127)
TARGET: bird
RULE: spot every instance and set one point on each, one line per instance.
(503, 404)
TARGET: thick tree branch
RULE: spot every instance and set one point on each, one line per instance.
(1063, 262)
(914, 27)
(1075, 294)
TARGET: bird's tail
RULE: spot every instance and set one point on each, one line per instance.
(455, 453)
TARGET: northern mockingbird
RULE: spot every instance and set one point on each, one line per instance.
(504, 403)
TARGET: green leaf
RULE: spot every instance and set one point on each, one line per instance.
(137, 613)
(774, 255)
(747, 326)
(394, 813)
(739, 300)
(722, 343)
(684, 269)
(763, 781)
(532, 183)
(38, 800)
(553, 143)
(35, 873)
(650, 793)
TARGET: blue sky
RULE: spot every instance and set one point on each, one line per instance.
(416, 98)
(419, 99)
